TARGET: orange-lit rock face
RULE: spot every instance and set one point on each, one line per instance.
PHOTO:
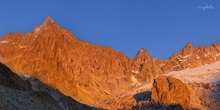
(168, 91)
(91, 74)
(190, 57)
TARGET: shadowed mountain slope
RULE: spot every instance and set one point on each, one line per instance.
(25, 93)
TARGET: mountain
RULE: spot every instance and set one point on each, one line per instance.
(91, 74)
(190, 57)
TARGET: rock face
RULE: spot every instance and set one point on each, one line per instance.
(143, 64)
(208, 94)
(17, 94)
(90, 74)
(168, 91)
(23, 93)
(65, 102)
(190, 57)
(12, 80)
(203, 83)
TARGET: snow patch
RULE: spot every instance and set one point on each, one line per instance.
(37, 29)
(206, 55)
(145, 87)
(164, 64)
(5, 41)
(184, 57)
(134, 81)
(204, 74)
(180, 60)
(176, 66)
(135, 72)
(22, 46)
(197, 57)
(217, 55)
(27, 76)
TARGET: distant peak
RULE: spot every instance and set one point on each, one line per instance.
(49, 20)
(143, 53)
(189, 44)
(187, 49)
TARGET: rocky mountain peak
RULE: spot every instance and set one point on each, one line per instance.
(48, 23)
(143, 53)
(142, 61)
(48, 20)
(189, 44)
(187, 49)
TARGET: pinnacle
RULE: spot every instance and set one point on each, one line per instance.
(189, 44)
(187, 49)
(48, 20)
(143, 52)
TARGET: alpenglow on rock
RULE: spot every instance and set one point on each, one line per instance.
(168, 91)
(91, 74)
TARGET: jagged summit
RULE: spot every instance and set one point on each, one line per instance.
(48, 23)
(48, 20)
(187, 49)
(143, 56)
(189, 45)
(143, 52)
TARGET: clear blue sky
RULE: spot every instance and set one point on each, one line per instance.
(163, 27)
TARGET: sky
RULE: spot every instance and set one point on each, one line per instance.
(162, 27)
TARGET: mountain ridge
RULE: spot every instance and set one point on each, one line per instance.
(88, 73)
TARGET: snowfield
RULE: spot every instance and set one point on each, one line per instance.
(207, 74)
(204, 74)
